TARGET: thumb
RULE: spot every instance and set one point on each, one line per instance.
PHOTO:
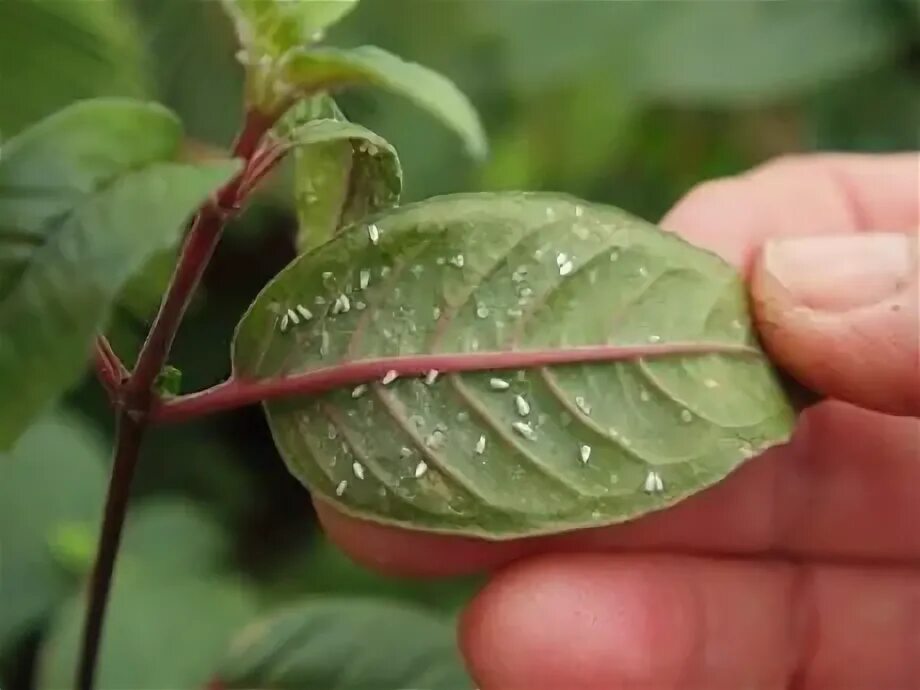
(840, 313)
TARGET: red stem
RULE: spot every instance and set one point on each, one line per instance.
(199, 246)
(239, 393)
(135, 397)
(109, 369)
(130, 435)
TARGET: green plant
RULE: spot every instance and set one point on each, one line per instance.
(494, 365)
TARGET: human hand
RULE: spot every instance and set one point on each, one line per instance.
(801, 571)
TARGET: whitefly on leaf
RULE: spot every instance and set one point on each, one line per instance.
(679, 396)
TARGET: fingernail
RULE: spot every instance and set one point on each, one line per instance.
(839, 273)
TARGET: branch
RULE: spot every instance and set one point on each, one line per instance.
(199, 246)
(130, 434)
(135, 397)
(109, 369)
(237, 393)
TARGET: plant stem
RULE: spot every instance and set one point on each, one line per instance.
(136, 396)
(199, 246)
(130, 435)
(109, 369)
(239, 393)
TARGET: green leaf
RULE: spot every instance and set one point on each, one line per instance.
(51, 485)
(272, 27)
(86, 197)
(173, 536)
(168, 381)
(328, 68)
(726, 53)
(342, 173)
(347, 644)
(513, 274)
(53, 53)
(159, 633)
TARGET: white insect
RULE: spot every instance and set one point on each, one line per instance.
(305, 313)
(523, 407)
(405, 452)
(499, 384)
(459, 261)
(654, 338)
(481, 445)
(566, 268)
(285, 323)
(431, 377)
(579, 211)
(358, 391)
(389, 377)
(373, 232)
(340, 489)
(585, 452)
(342, 305)
(292, 315)
(358, 469)
(653, 483)
(525, 430)
(561, 259)
(582, 405)
(421, 469)
(364, 278)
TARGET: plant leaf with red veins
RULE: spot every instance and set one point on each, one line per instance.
(685, 397)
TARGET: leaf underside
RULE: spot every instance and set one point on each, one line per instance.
(603, 443)
(343, 172)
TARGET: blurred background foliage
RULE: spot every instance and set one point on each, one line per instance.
(629, 103)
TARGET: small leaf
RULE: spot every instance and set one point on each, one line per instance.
(159, 633)
(342, 173)
(87, 196)
(503, 453)
(310, 71)
(169, 381)
(272, 27)
(51, 486)
(348, 644)
(73, 545)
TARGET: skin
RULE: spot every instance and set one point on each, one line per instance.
(802, 570)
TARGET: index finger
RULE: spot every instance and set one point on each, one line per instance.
(809, 497)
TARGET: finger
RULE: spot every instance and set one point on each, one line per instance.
(610, 622)
(845, 487)
(841, 314)
(800, 195)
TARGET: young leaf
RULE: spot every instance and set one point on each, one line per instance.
(500, 279)
(159, 632)
(343, 173)
(88, 195)
(310, 71)
(272, 27)
(348, 644)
